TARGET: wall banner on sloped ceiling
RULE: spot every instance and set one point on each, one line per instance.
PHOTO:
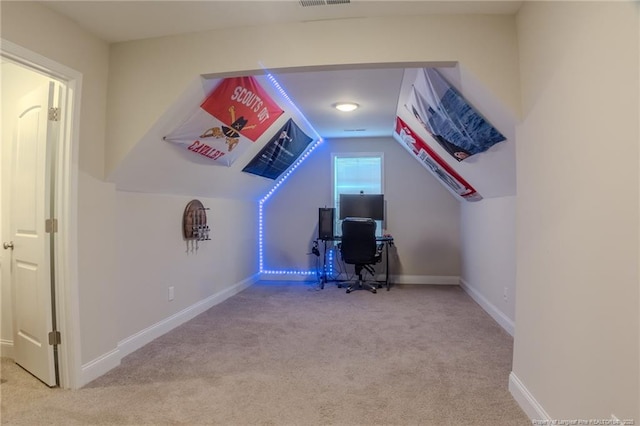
(280, 152)
(235, 114)
(433, 162)
(448, 117)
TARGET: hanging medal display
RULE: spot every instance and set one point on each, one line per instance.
(194, 224)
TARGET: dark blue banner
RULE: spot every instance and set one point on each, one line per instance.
(280, 152)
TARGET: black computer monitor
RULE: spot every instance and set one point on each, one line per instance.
(362, 205)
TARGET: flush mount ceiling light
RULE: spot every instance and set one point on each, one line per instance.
(346, 106)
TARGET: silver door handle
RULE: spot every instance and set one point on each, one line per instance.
(8, 245)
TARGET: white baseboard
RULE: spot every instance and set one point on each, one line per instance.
(141, 338)
(527, 402)
(499, 316)
(425, 279)
(395, 279)
(6, 348)
(102, 364)
(99, 366)
(287, 277)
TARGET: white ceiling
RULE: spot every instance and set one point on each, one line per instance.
(376, 90)
(116, 21)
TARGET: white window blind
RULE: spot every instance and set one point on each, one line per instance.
(353, 174)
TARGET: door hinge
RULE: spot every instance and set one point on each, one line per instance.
(54, 114)
(55, 338)
(51, 226)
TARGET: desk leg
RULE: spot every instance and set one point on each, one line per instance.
(386, 255)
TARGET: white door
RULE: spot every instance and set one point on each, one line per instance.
(30, 206)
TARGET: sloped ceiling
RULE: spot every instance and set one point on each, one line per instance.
(154, 165)
(491, 173)
(157, 166)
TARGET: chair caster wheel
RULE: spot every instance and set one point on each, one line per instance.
(374, 291)
(348, 291)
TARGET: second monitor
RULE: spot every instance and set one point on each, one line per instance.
(362, 205)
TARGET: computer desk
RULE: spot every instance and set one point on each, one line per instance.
(386, 240)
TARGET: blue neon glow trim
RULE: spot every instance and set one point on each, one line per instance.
(261, 202)
(290, 272)
(330, 271)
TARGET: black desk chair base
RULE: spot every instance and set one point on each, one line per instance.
(365, 286)
(361, 284)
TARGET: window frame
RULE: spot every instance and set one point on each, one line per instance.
(335, 195)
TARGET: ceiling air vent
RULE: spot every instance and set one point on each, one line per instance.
(307, 3)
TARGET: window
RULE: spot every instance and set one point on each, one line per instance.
(355, 173)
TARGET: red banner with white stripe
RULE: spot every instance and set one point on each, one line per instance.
(434, 163)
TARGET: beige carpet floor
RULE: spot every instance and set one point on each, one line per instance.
(289, 354)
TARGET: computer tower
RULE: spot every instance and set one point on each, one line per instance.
(325, 223)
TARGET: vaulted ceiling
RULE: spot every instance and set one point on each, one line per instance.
(378, 89)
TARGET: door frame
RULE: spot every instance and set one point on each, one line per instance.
(67, 306)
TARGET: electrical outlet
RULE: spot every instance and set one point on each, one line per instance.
(505, 294)
(171, 293)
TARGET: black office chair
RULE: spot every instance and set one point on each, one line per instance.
(359, 248)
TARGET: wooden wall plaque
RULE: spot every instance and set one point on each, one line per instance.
(194, 221)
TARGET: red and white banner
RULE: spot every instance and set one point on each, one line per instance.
(236, 113)
(243, 105)
(433, 162)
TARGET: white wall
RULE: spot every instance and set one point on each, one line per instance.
(15, 82)
(99, 298)
(38, 29)
(488, 240)
(576, 341)
(129, 245)
(129, 306)
(420, 213)
(35, 27)
(152, 255)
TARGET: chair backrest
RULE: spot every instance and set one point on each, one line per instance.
(358, 244)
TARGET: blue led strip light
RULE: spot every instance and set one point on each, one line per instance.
(262, 201)
(330, 266)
